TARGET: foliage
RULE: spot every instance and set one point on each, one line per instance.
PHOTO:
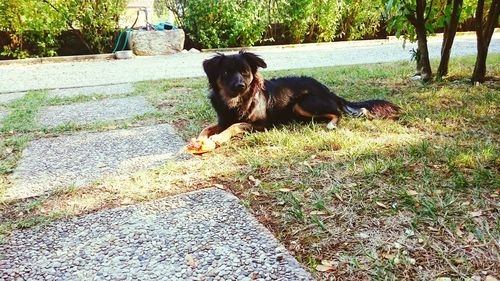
(295, 16)
(359, 18)
(243, 23)
(34, 26)
(224, 23)
(97, 21)
(436, 16)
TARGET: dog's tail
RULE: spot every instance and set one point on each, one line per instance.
(372, 109)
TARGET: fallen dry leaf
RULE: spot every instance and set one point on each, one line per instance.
(338, 197)
(411, 192)
(255, 182)
(285, 189)
(443, 279)
(218, 185)
(126, 201)
(388, 256)
(490, 278)
(381, 205)
(324, 268)
(317, 213)
(432, 229)
(327, 263)
(476, 214)
(255, 193)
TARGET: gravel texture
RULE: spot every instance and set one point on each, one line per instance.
(78, 159)
(180, 65)
(95, 111)
(108, 90)
(203, 235)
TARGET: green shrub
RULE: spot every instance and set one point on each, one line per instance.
(34, 26)
(224, 23)
(231, 23)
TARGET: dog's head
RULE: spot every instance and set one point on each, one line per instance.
(233, 75)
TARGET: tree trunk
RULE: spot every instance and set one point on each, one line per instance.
(418, 69)
(484, 32)
(479, 73)
(448, 36)
(418, 21)
(425, 64)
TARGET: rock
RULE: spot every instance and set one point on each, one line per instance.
(127, 54)
(151, 43)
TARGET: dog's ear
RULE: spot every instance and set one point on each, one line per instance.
(211, 67)
(254, 60)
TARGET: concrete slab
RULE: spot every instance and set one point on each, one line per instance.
(204, 235)
(6, 98)
(95, 111)
(76, 160)
(108, 90)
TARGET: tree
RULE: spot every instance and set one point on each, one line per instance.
(450, 29)
(485, 25)
(417, 13)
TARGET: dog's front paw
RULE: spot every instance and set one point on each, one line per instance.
(218, 139)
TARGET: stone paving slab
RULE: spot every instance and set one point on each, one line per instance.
(78, 159)
(6, 98)
(203, 235)
(108, 90)
(94, 111)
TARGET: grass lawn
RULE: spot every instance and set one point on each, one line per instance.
(416, 198)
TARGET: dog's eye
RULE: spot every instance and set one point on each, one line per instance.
(245, 72)
(225, 74)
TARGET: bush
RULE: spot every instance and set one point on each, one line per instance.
(231, 23)
(224, 23)
(34, 26)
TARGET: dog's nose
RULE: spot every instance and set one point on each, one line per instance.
(239, 87)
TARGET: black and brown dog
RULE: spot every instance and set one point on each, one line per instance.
(244, 101)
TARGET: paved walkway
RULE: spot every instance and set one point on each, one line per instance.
(79, 159)
(205, 235)
(90, 73)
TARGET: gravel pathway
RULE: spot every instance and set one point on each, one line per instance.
(91, 73)
(107, 90)
(95, 111)
(78, 159)
(204, 235)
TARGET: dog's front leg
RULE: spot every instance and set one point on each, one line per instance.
(210, 131)
(234, 130)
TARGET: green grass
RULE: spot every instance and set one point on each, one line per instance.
(409, 199)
